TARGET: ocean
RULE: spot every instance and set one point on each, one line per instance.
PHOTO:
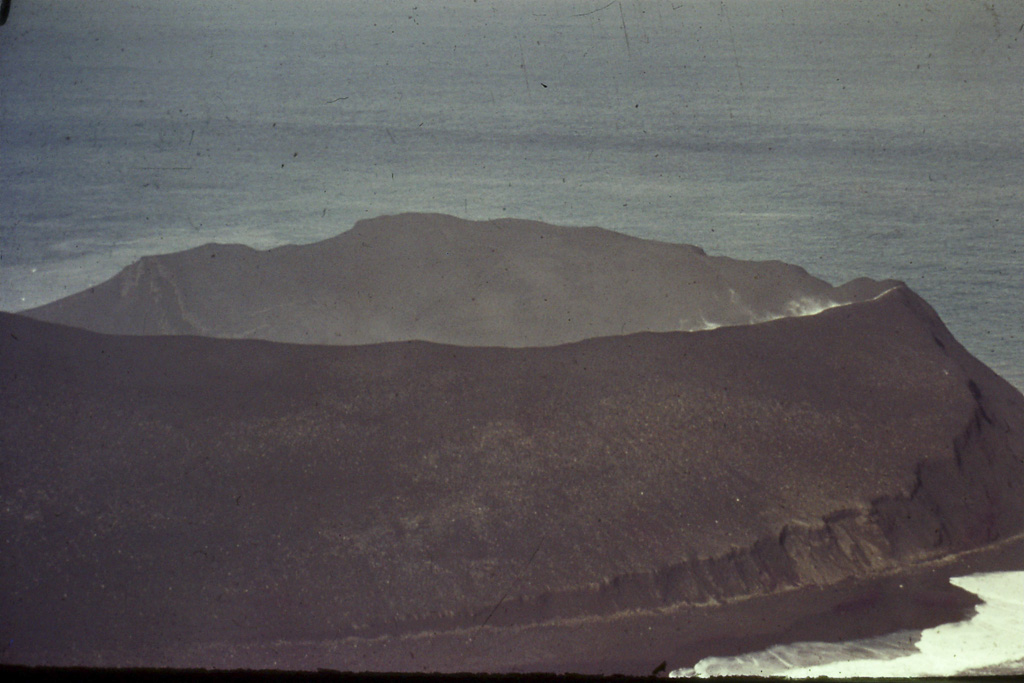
(855, 139)
(883, 140)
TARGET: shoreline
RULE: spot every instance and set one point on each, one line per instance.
(984, 643)
(635, 643)
(632, 643)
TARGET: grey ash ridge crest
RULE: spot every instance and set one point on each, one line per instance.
(494, 446)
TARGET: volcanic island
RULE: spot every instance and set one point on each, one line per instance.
(433, 444)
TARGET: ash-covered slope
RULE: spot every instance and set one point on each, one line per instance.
(203, 502)
(442, 279)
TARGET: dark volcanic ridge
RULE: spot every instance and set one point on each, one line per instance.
(442, 279)
(186, 501)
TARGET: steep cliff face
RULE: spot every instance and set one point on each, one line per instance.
(442, 279)
(189, 492)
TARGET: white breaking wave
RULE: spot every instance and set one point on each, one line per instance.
(795, 308)
(809, 305)
(991, 641)
(805, 305)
